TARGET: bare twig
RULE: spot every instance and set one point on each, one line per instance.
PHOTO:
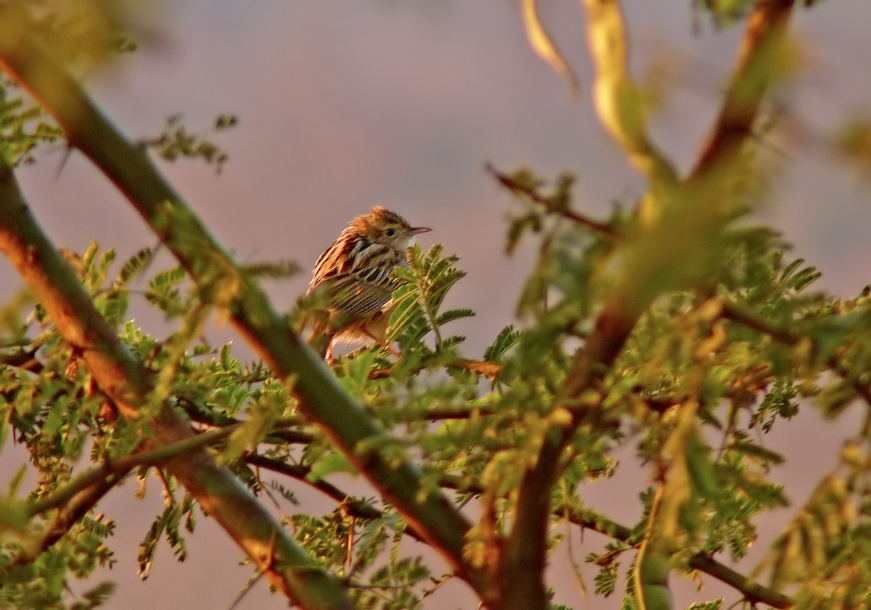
(525, 191)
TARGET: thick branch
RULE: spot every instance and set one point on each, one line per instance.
(619, 108)
(224, 283)
(755, 67)
(526, 547)
(128, 384)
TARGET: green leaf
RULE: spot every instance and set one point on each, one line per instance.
(453, 314)
(507, 338)
(716, 604)
(134, 265)
(329, 464)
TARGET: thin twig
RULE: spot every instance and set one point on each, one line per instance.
(484, 368)
(584, 518)
(525, 191)
(792, 338)
(115, 470)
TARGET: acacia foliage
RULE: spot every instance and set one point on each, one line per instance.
(474, 438)
(731, 341)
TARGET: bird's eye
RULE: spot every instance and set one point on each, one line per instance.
(390, 232)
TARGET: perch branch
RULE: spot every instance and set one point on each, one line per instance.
(224, 283)
(128, 384)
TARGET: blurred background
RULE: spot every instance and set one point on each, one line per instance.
(342, 106)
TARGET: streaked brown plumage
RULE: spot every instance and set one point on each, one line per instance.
(356, 273)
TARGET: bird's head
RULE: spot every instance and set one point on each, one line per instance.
(385, 227)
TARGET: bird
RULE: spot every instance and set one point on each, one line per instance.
(355, 278)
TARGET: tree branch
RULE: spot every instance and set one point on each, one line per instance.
(620, 111)
(616, 97)
(523, 190)
(753, 591)
(78, 497)
(222, 282)
(592, 520)
(526, 548)
(76, 507)
(20, 358)
(112, 471)
(756, 64)
(348, 503)
(128, 384)
(484, 368)
(584, 518)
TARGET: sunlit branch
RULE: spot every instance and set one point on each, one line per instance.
(617, 99)
(224, 283)
(620, 110)
(542, 43)
(755, 67)
(128, 384)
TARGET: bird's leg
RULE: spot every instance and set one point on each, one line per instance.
(381, 342)
(321, 340)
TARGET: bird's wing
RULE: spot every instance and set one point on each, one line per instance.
(358, 296)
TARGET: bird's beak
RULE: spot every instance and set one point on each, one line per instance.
(419, 230)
